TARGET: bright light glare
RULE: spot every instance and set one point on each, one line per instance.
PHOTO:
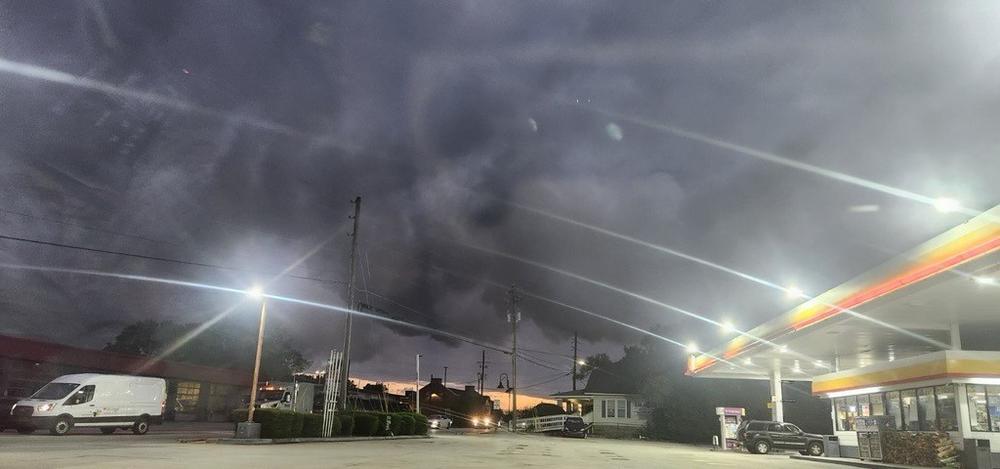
(728, 326)
(692, 347)
(748, 361)
(985, 280)
(794, 292)
(946, 205)
(581, 363)
(255, 292)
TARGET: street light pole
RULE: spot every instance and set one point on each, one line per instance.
(256, 362)
(418, 383)
(513, 317)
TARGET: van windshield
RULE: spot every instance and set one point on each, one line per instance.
(54, 391)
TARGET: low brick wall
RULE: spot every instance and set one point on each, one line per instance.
(623, 432)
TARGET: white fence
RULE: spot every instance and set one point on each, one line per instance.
(541, 424)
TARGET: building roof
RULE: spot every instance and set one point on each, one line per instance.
(603, 381)
(23, 348)
(902, 308)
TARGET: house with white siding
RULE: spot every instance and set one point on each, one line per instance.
(613, 407)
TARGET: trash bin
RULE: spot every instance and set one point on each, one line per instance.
(977, 454)
(831, 446)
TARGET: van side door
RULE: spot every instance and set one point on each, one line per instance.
(80, 404)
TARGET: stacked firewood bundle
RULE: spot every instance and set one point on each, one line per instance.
(947, 453)
(920, 449)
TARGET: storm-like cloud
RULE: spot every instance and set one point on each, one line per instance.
(240, 131)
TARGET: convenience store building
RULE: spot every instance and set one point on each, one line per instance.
(917, 338)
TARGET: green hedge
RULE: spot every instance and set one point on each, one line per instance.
(312, 425)
(420, 424)
(395, 425)
(346, 425)
(276, 423)
(381, 429)
(365, 424)
(406, 424)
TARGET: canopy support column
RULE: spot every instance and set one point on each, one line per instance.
(777, 412)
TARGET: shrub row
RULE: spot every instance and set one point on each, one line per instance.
(276, 423)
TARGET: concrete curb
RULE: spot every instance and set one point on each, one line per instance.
(286, 441)
(852, 462)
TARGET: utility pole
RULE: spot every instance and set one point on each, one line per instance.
(574, 360)
(482, 373)
(350, 304)
(418, 383)
(513, 317)
(446, 376)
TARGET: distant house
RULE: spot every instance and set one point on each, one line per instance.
(462, 405)
(611, 404)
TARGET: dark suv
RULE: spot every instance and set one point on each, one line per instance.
(760, 436)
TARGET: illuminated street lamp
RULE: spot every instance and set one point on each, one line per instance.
(794, 292)
(985, 280)
(728, 327)
(507, 389)
(946, 205)
(692, 347)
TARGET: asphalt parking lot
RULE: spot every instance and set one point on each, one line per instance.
(448, 449)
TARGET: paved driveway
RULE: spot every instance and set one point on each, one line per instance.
(444, 450)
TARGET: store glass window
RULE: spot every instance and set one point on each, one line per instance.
(840, 407)
(947, 411)
(911, 415)
(864, 406)
(993, 407)
(927, 409)
(892, 408)
(877, 406)
(847, 408)
(977, 407)
(187, 396)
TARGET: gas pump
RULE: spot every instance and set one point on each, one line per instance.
(729, 421)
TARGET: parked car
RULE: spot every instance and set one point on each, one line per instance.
(6, 404)
(761, 436)
(107, 402)
(442, 422)
(575, 427)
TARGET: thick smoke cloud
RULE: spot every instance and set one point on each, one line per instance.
(440, 113)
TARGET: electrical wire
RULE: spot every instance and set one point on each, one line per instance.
(162, 259)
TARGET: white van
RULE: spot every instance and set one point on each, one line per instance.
(108, 402)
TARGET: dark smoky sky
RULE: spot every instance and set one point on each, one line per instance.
(236, 133)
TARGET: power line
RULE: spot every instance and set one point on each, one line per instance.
(547, 381)
(161, 259)
(85, 227)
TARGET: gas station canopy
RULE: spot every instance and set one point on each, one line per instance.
(934, 297)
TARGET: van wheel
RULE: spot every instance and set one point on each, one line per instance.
(25, 430)
(141, 426)
(107, 430)
(761, 447)
(62, 425)
(814, 449)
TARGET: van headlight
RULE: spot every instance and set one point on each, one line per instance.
(46, 407)
(475, 422)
